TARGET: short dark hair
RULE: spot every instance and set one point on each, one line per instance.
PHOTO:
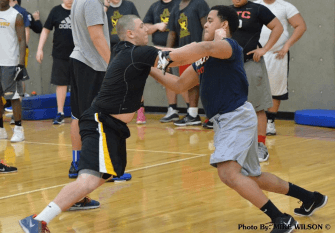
(125, 23)
(229, 14)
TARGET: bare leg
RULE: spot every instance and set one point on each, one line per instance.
(16, 104)
(193, 95)
(230, 174)
(269, 182)
(75, 136)
(185, 96)
(275, 107)
(61, 95)
(171, 96)
(262, 122)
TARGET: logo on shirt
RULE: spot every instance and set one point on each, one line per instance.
(116, 16)
(200, 65)
(183, 22)
(4, 23)
(66, 23)
(165, 17)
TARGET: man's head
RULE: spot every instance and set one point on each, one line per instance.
(68, 3)
(131, 28)
(221, 17)
(4, 3)
(239, 3)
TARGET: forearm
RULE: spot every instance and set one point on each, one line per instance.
(274, 36)
(102, 47)
(171, 40)
(43, 38)
(22, 46)
(152, 28)
(297, 34)
(27, 30)
(168, 80)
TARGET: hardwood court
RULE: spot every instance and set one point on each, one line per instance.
(174, 189)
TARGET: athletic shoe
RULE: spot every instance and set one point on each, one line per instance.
(73, 172)
(271, 128)
(207, 124)
(18, 135)
(263, 154)
(4, 168)
(140, 116)
(188, 120)
(30, 225)
(124, 177)
(319, 201)
(284, 224)
(9, 109)
(86, 204)
(171, 115)
(3, 133)
(12, 121)
(59, 119)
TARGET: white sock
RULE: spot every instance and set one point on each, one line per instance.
(193, 111)
(49, 213)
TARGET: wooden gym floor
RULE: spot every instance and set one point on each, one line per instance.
(174, 189)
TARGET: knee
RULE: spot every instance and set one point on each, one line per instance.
(229, 178)
(89, 183)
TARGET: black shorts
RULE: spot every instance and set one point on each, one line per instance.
(61, 73)
(103, 143)
(85, 85)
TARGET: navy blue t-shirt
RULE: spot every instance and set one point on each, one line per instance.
(24, 14)
(116, 13)
(186, 22)
(60, 19)
(160, 12)
(223, 82)
(252, 17)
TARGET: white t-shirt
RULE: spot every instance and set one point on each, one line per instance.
(9, 45)
(283, 11)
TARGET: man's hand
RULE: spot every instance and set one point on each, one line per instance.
(39, 56)
(161, 27)
(258, 53)
(164, 61)
(36, 15)
(107, 3)
(20, 73)
(220, 34)
(281, 53)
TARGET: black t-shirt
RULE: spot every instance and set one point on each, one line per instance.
(35, 25)
(186, 22)
(123, 85)
(160, 12)
(60, 19)
(252, 17)
(114, 14)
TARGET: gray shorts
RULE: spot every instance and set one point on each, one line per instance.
(10, 89)
(235, 139)
(259, 87)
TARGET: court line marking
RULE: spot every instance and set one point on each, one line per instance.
(131, 170)
(153, 151)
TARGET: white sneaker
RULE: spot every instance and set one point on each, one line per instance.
(171, 115)
(270, 128)
(263, 153)
(12, 121)
(18, 135)
(3, 133)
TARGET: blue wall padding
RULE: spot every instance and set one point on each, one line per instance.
(43, 101)
(42, 114)
(315, 117)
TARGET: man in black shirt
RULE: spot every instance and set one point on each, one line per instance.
(252, 17)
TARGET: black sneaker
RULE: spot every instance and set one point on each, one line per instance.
(188, 120)
(284, 224)
(319, 201)
(59, 119)
(73, 172)
(207, 124)
(4, 168)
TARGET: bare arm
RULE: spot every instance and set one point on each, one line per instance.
(21, 35)
(187, 80)
(277, 29)
(106, 5)
(44, 36)
(99, 41)
(27, 29)
(152, 28)
(171, 40)
(299, 25)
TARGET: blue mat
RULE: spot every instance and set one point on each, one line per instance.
(316, 117)
(43, 101)
(42, 114)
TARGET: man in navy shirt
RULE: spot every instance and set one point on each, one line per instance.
(224, 93)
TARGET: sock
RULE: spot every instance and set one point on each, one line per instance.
(188, 105)
(49, 213)
(302, 194)
(271, 210)
(271, 116)
(193, 111)
(261, 139)
(142, 104)
(62, 113)
(75, 155)
(174, 106)
(18, 123)
(1, 122)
